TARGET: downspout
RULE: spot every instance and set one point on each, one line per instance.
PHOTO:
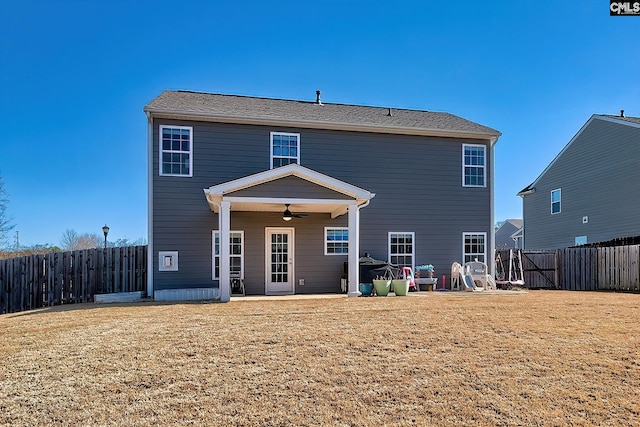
(492, 253)
(150, 252)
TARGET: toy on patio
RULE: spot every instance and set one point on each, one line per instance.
(407, 274)
(424, 277)
(514, 276)
(472, 277)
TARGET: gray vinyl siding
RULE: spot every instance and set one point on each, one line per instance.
(599, 175)
(291, 186)
(503, 236)
(417, 181)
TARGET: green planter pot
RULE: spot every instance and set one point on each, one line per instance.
(400, 287)
(382, 287)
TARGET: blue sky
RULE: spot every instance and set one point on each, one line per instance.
(75, 76)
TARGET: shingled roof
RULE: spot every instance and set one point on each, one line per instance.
(254, 110)
(635, 120)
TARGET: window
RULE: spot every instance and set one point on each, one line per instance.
(475, 246)
(285, 149)
(236, 254)
(473, 171)
(176, 149)
(336, 241)
(401, 249)
(581, 240)
(556, 197)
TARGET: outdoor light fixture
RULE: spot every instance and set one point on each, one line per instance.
(105, 230)
(287, 214)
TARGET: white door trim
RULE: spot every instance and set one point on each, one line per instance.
(267, 260)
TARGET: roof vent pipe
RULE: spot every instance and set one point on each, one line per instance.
(390, 114)
(318, 101)
(621, 113)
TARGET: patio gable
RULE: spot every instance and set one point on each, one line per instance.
(290, 186)
(306, 189)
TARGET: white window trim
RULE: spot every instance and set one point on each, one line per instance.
(327, 241)
(484, 167)
(214, 256)
(473, 233)
(271, 134)
(160, 151)
(559, 190)
(413, 246)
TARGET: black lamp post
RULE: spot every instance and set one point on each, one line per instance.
(105, 230)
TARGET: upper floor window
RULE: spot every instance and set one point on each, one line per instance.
(556, 198)
(401, 249)
(475, 247)
(285, 149)
(474, 165)
(176, 150)
(336, 241)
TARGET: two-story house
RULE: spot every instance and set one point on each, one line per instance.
(299, 191)
(591, 191)
(509, 235)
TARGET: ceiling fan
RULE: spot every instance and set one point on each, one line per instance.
(287, 215)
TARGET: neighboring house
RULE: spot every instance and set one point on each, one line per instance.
(591, 191)
(301, 190)
(509, 235)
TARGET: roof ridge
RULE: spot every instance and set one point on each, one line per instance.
(617, 116)
(267, 98)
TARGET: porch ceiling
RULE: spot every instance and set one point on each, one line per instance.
(294, 206)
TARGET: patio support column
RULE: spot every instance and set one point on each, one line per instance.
(354, 250)
(225, 225)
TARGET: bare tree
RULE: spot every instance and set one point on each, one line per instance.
(5, 222)
(126, 242)
(69, 239)
(72, 241)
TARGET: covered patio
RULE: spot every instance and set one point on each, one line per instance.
(290, 188)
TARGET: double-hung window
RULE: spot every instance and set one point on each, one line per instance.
(474, 165)
(285, 149)
(475, 247)
(401, 249)
(236, 254)
(556, 198)
(176, 151)
(336, 241)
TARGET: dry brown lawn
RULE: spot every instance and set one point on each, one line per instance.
(541, 358)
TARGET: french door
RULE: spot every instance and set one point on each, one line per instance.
(279, 261)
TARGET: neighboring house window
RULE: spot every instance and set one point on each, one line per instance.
(475, 246)
(401, 250)
(236, 254)
(556, 197)
(285, 149)
(473, 171)
(336, 241)
(176, 150)
(581, 240)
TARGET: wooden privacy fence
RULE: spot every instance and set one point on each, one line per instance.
(37, 281)
(614, 268)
